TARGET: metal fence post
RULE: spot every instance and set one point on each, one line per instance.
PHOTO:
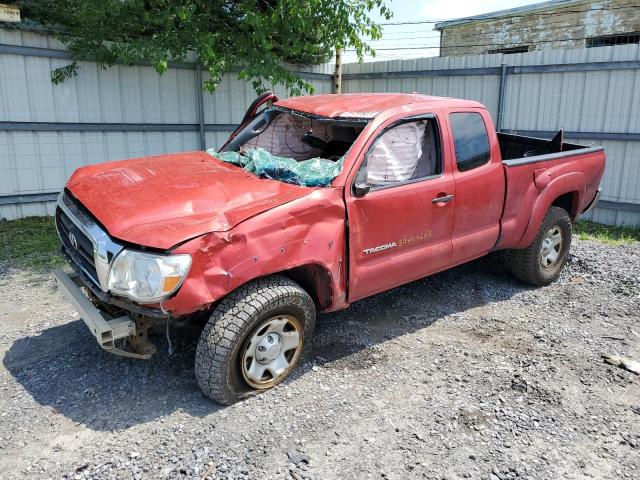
(337, 77)
(200, 106)
(501, 94)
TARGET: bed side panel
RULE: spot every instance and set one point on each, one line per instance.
(533, 185)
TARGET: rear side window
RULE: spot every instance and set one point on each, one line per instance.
(471, 140)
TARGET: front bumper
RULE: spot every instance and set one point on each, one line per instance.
(105, 328)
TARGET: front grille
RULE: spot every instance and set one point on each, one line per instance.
(81, 251)
(84, 240)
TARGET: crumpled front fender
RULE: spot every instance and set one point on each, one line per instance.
(306, 232)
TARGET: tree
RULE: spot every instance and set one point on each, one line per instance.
(255, 37)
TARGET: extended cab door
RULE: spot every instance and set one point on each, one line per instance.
(480, 184)
(400, 207)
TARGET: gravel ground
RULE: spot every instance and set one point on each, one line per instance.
(466, 374)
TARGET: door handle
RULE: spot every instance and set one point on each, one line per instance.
(442, 199)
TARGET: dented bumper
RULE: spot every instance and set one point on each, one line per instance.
(104, 328)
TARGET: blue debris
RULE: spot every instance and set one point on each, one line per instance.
(315, 172)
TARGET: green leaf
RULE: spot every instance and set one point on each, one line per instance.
(160, 66)
(61, 74)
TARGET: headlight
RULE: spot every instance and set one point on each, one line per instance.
(145, 277)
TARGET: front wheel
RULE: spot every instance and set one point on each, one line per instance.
(541, 262)
(254, 339)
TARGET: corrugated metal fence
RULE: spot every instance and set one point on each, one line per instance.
(47, 131)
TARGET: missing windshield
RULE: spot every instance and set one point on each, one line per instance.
(292, 147)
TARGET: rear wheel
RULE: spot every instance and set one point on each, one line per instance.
(542, 261)
(254, 339)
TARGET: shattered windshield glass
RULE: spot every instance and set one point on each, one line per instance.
(315, 172)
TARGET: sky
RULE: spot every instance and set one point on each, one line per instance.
(405, 41)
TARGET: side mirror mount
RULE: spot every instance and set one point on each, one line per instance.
(360, 189)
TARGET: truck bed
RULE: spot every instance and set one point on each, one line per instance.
(539, 172)
(516, 147)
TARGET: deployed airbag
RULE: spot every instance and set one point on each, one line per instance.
(315, 172)
(396, 154)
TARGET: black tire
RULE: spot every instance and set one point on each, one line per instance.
(218, 365)
(526, 264)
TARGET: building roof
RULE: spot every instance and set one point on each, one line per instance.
(365, 105)
(506, 13)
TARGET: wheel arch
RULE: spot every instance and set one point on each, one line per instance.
(570, 202)
(566, 191)
(315, 279)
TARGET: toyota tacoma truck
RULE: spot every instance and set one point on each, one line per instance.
(312, 203)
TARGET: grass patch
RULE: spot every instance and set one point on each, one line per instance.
(31, 243)
(587, 230)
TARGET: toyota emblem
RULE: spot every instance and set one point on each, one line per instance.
(73, 240)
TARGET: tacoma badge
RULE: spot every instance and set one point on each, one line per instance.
(380, 248)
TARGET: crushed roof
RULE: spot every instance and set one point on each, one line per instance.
(363, 105)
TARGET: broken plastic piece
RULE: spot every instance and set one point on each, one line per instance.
(315, 172)
(622, 362)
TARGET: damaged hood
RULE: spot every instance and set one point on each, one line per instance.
(162, 201)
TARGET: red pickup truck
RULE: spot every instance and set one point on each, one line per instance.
(313, 203)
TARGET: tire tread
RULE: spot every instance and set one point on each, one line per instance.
(524, 263)
(232, 317)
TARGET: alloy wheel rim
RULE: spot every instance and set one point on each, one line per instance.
(551, 247)
(272, 351)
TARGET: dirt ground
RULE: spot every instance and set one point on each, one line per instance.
(466, 374)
